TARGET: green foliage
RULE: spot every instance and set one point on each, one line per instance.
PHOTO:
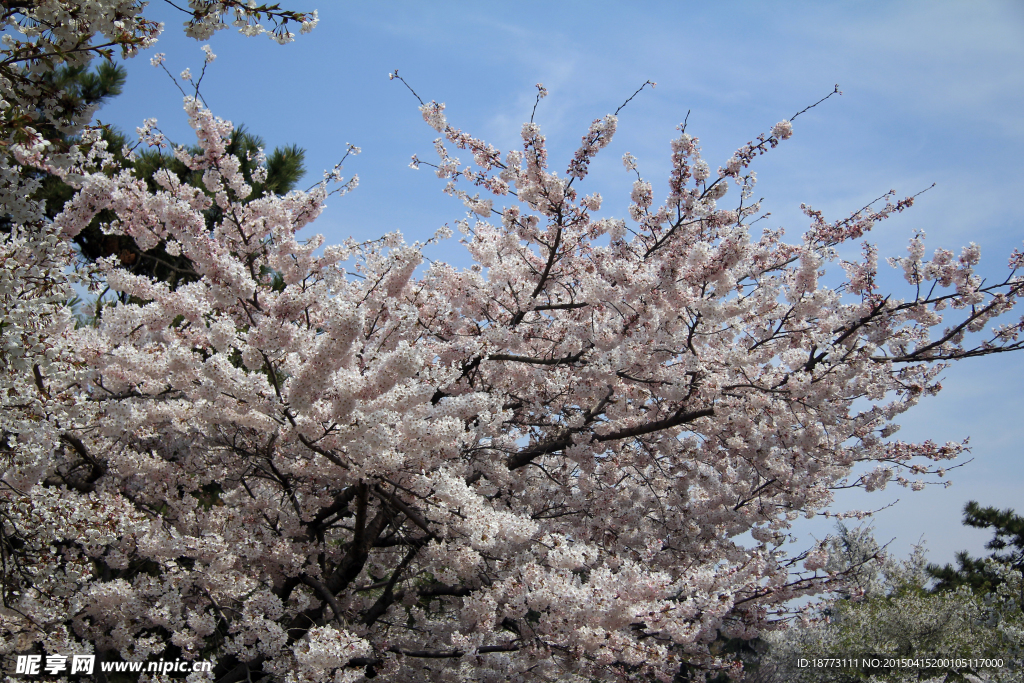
(73, 93)
(895, 612)
(284, 168)
(1007, 545)
(77, 92)
(285, 165)
(82, 90)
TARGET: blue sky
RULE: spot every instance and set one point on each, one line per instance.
(932, 92)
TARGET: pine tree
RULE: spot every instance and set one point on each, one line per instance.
(78, 92)
(1007, 545)
(81, 91)
(284, 167)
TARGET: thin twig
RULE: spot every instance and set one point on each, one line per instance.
(836, 91)
(394, 75)
(646, 83)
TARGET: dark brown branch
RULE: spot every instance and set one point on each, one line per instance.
(528, 455)
(388, 597)
(322, 451)
(571, 358)
(657, 426)
(341, 503)
(350, 566)
(98, 467)
(431, 654)
(402, 507)
(754, 493)
(467, 369)
(38, 375)
(440, 589)
(444, 654)
(876, 310)
(559, 307)
(322, 591)
(518, 317)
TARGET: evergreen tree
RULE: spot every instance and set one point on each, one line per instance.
(80, 91)
(1007, 545)
(284, 168)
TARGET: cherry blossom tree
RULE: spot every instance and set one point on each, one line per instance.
(575, 460)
